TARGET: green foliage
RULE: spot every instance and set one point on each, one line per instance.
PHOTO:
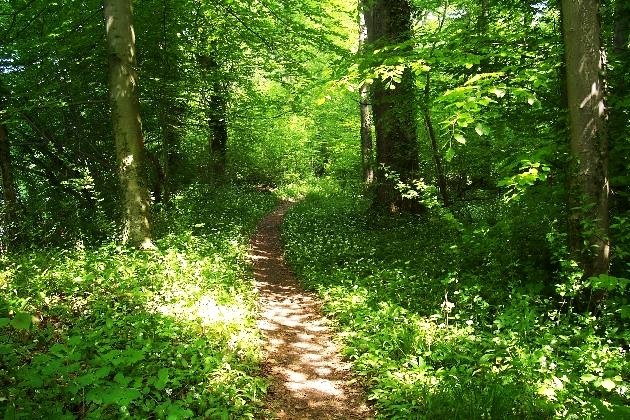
(531, 172)
(450, 320)
(112, 332)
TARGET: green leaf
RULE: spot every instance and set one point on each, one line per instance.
(102, 372)
(499, 93)
(120, 378)
(120, 396)
(85, 380)
(95, 396)
(162, 378)
(608, 384)
(450, 154)
(22, 321)
(460, 138)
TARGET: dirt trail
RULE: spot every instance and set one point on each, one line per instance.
(308, 378)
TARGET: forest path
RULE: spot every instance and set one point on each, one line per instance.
(308, 379)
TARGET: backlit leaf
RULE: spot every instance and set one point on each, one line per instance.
(608, 384)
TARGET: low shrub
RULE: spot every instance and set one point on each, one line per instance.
(433, 336)
(109, 332)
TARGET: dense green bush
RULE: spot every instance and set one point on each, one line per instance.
(447, 320)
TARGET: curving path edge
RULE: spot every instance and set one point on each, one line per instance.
(308, 378)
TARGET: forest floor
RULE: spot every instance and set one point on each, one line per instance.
(308, 379)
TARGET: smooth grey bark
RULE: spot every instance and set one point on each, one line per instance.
(367, 145)
(127, 124)
(589, 190)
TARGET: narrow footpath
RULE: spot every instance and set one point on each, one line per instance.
(308, 378)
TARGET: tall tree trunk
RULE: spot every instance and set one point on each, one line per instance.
(168, 135)
(365, 109)
(216, 115)
(619, 114)
(123, 82)
(8, 188)
(394, 106)
(437, 157)
(622, 27)
(367, 145)
(588, 203)
(218, 129)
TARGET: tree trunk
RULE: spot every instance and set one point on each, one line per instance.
(622, 27)
(123, 82)
(588, 203)
(216, 113)
(218, 129)
(8, 188)
(366, 111)
(166, 117)
(394, 106)
(366, 135)
(619, 114)
(437, 157)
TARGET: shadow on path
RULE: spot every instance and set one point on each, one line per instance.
(308, 379)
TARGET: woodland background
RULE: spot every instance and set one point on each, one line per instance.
(469, 233)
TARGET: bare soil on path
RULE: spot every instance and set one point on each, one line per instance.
(308, 378)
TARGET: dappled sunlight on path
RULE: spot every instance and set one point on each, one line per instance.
(308, 378)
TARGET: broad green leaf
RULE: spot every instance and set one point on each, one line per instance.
(608, 384)
(499, 93)
(162, 378)
(102, 372)
(460, 138)
(22, 321)
(450, 154)
(121, 379)
(85, 380)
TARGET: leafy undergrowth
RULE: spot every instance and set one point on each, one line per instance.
(108, 332)
(434, 337)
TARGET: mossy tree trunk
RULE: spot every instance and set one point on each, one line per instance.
(125, 109)
(393, 104)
